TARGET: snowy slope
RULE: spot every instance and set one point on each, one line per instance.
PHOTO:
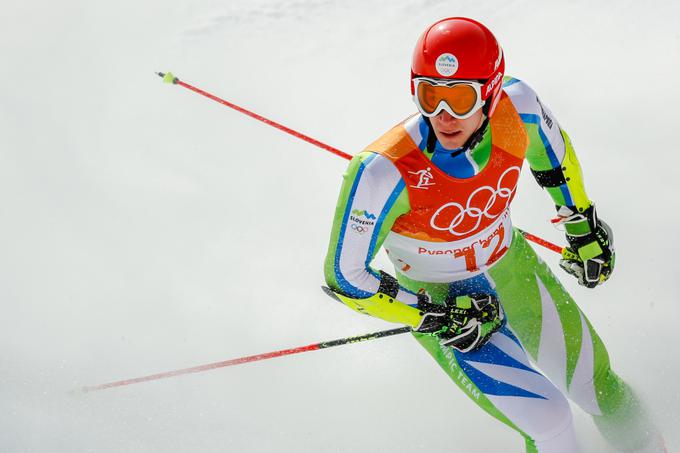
(146, 228)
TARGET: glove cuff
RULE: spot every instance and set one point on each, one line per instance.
(388, 285)
(588, 236)
(576, 223)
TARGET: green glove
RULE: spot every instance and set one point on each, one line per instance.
(466, 323)
(590, 256)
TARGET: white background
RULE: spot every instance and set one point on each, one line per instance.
(145, 228)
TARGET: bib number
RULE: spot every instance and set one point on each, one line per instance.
(496, 241)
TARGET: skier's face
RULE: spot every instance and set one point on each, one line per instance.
(451, 132)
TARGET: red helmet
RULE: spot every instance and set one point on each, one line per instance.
(461, 48)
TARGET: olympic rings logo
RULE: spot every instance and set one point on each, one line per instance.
(473, 208)
(359, 228)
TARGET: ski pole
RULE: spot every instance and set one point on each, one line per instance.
(250, 358)
(549, 245)
(170, 78)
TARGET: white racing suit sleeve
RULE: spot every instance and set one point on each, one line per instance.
(372, 196)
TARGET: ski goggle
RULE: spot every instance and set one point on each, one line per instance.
(460, 98)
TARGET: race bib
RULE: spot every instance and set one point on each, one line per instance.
(450, 261)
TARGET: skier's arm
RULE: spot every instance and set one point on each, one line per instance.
(550, 155)
(372, 196)
(553, 162)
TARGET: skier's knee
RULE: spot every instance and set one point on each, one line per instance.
(548, 419)
(586, 391)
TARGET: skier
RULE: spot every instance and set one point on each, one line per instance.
(435, 192)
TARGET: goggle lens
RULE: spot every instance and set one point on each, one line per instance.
(461, 97)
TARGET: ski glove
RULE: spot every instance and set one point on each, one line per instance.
(464, 323)
(590, 256)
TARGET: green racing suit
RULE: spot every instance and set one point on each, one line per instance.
(547, 351)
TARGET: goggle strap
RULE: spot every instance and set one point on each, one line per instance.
(494, 81)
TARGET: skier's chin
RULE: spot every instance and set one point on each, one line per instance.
(451, 140)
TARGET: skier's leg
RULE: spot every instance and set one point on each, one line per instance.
(564, 345)
(499, 378)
